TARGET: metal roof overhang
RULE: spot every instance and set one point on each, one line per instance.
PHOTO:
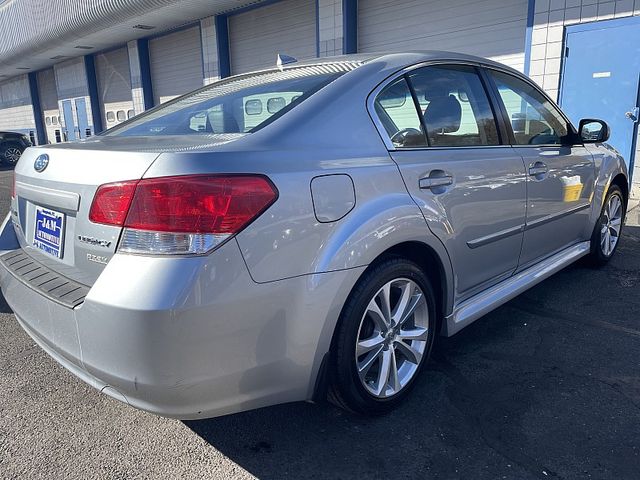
(35, 34)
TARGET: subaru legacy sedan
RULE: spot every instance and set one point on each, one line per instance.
(302, 232)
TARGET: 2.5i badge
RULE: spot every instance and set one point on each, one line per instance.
(49, 231)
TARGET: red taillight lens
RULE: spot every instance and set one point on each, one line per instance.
(111, 203)
(187, 204)
(199, 204)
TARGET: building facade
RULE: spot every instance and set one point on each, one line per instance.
(70, 69)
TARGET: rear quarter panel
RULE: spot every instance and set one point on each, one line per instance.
(288, 240)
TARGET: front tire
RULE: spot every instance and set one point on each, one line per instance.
(384, 338)
(606, 234)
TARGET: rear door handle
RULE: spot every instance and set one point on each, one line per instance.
(433, 182)
(538, 169)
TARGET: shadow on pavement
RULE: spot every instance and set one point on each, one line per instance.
(4, 306)
(545, 386)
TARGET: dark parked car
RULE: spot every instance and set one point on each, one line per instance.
(12, 144)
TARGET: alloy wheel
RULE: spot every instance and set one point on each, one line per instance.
(611, 225)
(392, 337)
(12, 155)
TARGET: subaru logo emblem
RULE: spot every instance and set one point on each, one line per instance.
(41, 162)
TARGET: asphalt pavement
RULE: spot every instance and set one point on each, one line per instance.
(547, 386)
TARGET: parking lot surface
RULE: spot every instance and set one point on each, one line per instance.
(547, 386)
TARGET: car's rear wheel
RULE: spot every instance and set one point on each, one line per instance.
(384, 338)
(606, 234)
(11, 153)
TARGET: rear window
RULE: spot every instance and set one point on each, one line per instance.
(236, 105)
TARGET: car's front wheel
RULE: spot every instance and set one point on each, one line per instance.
(606, 234)
(11, 153)
(384, 338)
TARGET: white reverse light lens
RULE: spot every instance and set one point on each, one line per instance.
(163, 243)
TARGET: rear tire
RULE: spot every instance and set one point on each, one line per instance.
(384, 338)
(606, 234)
(10, 153)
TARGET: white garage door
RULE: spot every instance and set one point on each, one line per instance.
(176, 64)
(257, 36)
(488, 28)
(16, 113)
(114, 86)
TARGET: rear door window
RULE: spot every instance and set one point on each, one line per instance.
(454, 105)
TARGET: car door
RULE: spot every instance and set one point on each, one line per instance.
(560, 171)
(470, 187)
(83, 121)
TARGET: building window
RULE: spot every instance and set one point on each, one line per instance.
(253, 107)
(275, 104)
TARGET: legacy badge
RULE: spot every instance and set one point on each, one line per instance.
(94, 241)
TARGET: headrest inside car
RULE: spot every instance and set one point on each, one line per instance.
(443, 115)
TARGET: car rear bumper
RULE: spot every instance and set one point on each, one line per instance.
(188, 337)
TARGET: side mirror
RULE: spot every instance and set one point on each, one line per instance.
(593, 131)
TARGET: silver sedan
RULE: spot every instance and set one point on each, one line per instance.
(302, 232)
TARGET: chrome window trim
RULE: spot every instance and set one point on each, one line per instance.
(506, 70)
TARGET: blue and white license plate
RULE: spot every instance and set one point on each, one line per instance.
(49, 234)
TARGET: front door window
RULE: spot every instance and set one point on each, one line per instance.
(535, 121)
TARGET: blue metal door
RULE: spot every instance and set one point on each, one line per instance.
(69, 124)
(81, 113)
(601, 78)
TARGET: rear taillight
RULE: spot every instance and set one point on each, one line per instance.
(111, 203)
(181, 215)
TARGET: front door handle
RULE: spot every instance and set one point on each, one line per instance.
(434, 182)
(538, 169)
(633, 114)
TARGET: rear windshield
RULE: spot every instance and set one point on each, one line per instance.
(237, 105)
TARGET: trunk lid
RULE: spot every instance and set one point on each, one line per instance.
(51, 208)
